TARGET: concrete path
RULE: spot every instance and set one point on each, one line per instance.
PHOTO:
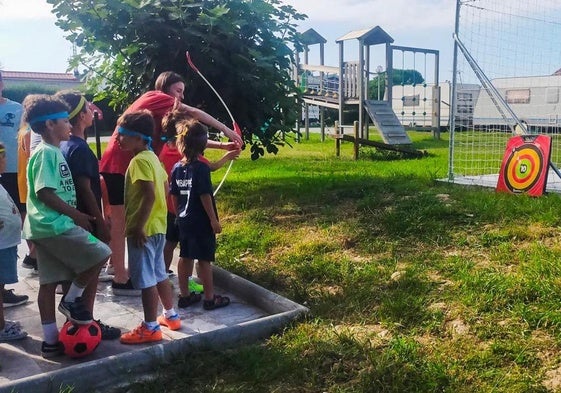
(254, 313)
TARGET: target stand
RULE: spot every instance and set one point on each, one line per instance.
(525, 165)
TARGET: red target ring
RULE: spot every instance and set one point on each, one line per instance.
(525, 164)
(523, 168)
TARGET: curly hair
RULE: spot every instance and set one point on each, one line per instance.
(36, 105)
(192, 137)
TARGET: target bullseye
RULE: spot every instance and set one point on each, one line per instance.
(523, 168)
(524, 165)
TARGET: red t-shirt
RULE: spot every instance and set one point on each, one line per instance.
(169, 156)
(115, 160)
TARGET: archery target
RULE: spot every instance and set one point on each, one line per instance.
(525, 164)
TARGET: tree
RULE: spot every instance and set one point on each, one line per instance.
(399, 78)
(241, 46)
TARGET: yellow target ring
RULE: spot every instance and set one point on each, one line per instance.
(523, 168)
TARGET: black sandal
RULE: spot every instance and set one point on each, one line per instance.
(188, 300)
(217, 302)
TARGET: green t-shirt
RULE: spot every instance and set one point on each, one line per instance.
(47, 168)
(145, 166)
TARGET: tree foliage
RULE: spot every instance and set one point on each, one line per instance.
(241, 46)
(399, 78)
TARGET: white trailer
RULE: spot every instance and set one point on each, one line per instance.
(417, 106)
(535, 100)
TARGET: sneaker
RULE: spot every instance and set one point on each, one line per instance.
(12, 331)
(75, 311)
(51, 350)
(172, 323)
(125, 289)
(29, 263)
(11, 299)
(141, 334)
(186, 301)
(108, 332)
(194, 286)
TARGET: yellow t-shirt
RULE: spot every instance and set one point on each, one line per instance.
(145, 166)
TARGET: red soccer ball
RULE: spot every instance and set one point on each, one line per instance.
(79, 340)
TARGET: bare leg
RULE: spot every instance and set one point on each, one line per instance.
(90, 292)
(46, 303)
(169, 248)
(117, 243)
(150, 302)
(166, 294)
(205, 274)
(31, 247)
(91, 275)
(184, 271)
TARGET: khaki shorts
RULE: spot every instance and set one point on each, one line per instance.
(63, 257)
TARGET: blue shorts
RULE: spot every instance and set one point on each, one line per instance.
(198, 246)
(146, 264)
(9, 265)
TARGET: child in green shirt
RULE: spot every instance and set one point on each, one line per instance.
(66, 250)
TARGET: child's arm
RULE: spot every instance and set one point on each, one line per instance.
(210, 121)
(149, 197)
(52, 200)
(85, 194)
(230, 155)
(206, 200)
(210, 144)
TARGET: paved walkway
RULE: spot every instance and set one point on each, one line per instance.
(254, 313)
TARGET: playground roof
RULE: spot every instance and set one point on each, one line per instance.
(372, 36)
(311, 37)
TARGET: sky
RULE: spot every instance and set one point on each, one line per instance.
(30, 41)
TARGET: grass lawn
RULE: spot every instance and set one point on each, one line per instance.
(414, 285)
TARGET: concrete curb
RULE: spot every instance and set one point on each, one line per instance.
(123, 369)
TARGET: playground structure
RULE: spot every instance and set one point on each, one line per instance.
(345, 86)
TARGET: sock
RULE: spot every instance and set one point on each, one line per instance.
(74, 292)
(50, 332)
(153, 325)
(170, 313)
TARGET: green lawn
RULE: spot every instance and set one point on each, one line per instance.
(414, 285)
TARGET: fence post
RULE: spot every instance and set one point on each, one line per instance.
(356, 129)
(337, 139)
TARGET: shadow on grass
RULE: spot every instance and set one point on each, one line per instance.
(316, 361)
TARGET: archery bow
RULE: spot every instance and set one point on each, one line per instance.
(236, 127)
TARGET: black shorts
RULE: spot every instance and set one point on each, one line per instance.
(115, 184)
(172, 230)
(10, 183)
(197, 246)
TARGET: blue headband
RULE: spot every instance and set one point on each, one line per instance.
(50, 116)
(124, 131)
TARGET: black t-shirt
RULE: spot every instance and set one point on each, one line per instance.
(188, 182)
